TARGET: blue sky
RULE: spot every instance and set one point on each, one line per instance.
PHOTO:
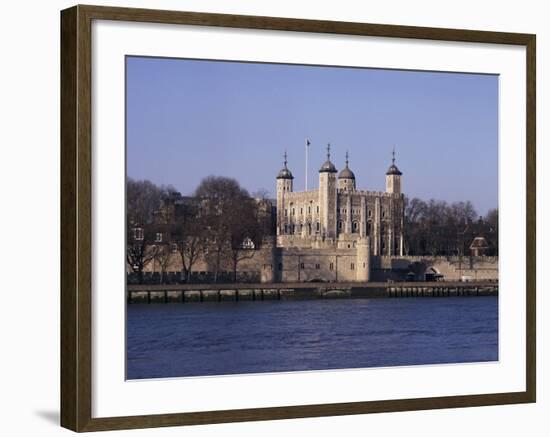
(187, 119)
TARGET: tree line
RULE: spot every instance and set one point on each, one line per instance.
(221, 220)
(440, 228)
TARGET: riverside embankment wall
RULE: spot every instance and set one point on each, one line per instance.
(242, 292)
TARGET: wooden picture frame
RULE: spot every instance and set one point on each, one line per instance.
(76, 218)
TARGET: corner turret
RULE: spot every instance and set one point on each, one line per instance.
(393, 177)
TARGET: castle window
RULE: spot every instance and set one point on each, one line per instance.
(158, 237)
(248, 244)
(286, 212)
(355, 227)
(280, 266)
(383, 214)
(309, 228)
(331, 266)
(317, 209)
(317, 266)
(318, 227)
(370, 213)
(340, 225)
(293, 211)
(352, 266)
(301, 211)
(309, 209)
(138, 234)
(302, 266)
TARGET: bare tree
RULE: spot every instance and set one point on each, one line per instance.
(142, 200)
(189, 236)
(246, 230)
(492, 222)
(438, 228)
(162, 255)
(415, 210)
(233, 221)
(139, 249)
(216, 197)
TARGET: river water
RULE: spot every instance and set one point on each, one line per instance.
(220, 338)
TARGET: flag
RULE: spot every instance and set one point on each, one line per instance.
(307, 142)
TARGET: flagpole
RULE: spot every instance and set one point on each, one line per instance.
(307, 150)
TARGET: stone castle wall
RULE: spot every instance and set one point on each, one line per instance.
(295, 264)
(451, 268)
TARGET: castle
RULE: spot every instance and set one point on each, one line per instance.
(339, 215)
(330, 233)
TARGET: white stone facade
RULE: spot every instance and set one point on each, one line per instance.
(337, 220)
(337, 215)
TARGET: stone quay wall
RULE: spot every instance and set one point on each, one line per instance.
(189, 293)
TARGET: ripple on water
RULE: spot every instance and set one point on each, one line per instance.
(253, 337)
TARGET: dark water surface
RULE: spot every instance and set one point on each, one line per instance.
(169, 340)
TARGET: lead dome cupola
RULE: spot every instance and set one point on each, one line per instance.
(328, 166)
(346, 173)
(285, 173)
(393, 170)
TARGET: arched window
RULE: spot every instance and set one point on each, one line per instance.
(355, 227)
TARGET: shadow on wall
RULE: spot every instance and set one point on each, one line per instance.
(49, 416)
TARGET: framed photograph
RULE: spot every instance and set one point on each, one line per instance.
(269, 218)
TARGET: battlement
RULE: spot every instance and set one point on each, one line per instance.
(301, 196)
(369, 193)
